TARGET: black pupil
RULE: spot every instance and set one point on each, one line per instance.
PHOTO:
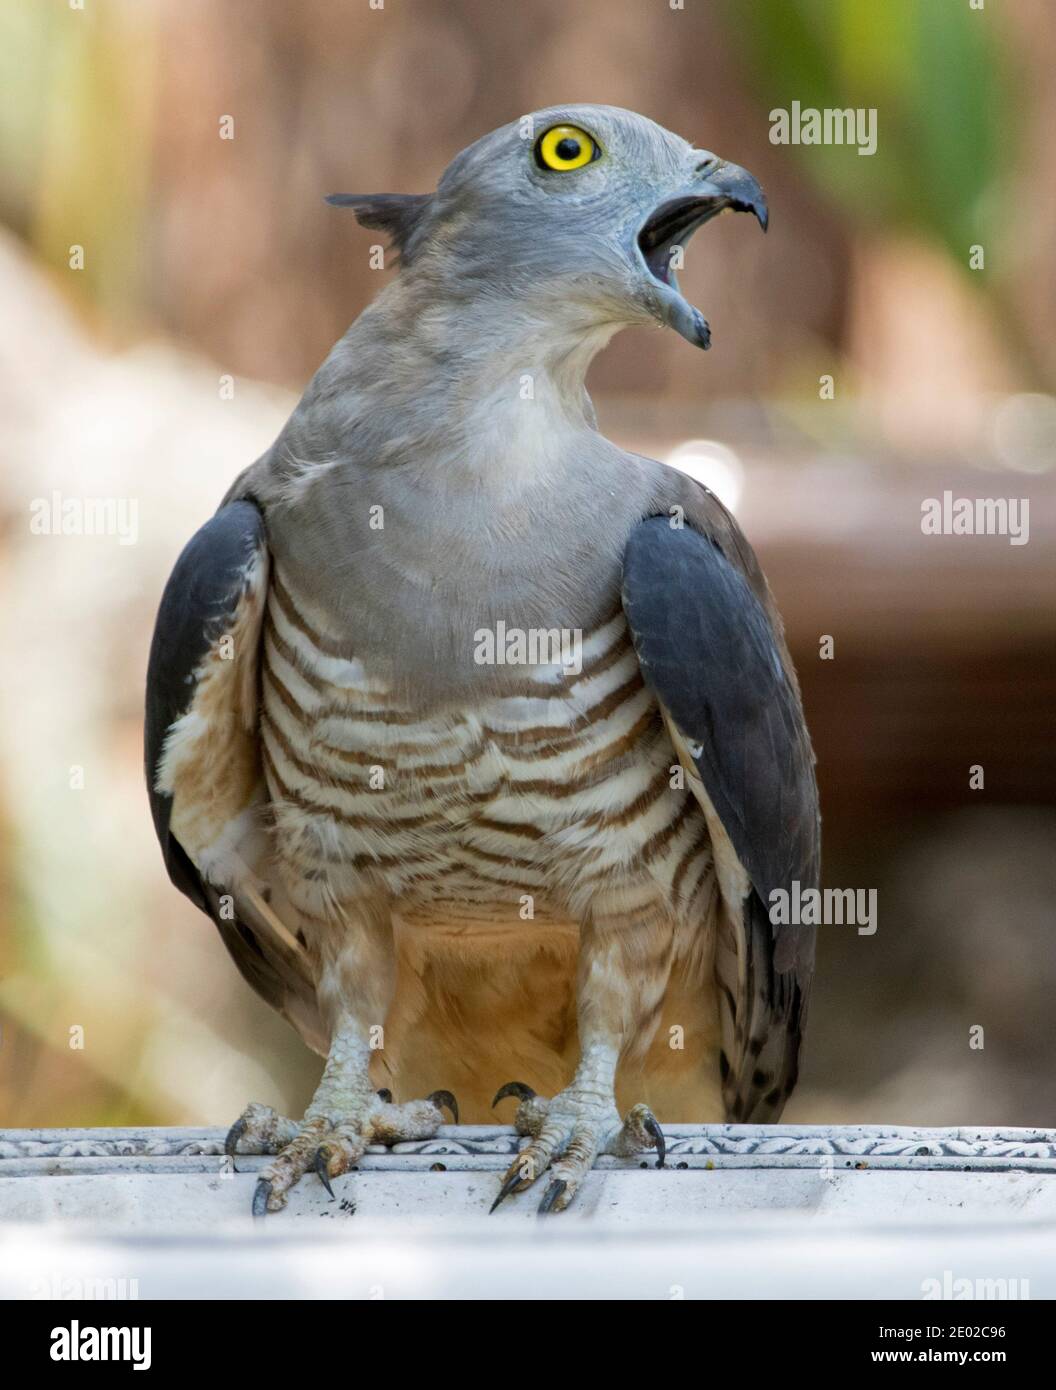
(568, 148)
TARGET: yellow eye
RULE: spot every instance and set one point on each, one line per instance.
(565, 147)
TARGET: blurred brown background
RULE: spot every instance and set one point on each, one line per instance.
(215, 279)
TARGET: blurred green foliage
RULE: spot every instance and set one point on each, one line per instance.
(76, 130)
(943, 90)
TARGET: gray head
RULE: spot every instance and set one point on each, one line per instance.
(573, 213)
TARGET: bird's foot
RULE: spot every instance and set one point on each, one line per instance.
(567, 1134)
(329, 1142)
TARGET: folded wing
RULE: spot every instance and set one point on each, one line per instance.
(713, 654)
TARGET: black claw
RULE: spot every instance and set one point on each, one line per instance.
(386, 1095)
(653, 1129)
(260, 1197)
(513, 1088)
(512, 1180)
(442, 1098)
(321, 1169)
(550, 1196)
(234, 1134)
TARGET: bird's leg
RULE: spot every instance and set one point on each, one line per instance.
(346, 1113)
(624, 964)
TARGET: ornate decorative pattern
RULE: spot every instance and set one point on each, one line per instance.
(65, 1151)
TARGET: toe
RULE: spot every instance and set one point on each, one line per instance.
(555, 1198)
(568, 1171)
(261, 1198)
(640, 1130)
(533, 1160)
(234, 1136)
(444, 1099)
(259, 1130)
(514, 1178)
(321, 1166)
(532, 1111)
(513, 1088)
(522, 1172)
(415, 1119)
(341, 1150)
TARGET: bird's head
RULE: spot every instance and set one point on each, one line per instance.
(574, 213)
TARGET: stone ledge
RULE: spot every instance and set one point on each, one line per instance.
(740, 1212)
(175, 1179)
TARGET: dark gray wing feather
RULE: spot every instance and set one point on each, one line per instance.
(708, 649)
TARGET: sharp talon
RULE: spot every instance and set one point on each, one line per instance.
(550, 1196)
(513, 1088)
(652, 1128)
(260, 1197)
(234, 1134)
(322, 1170)
(512, 1180)
(442, 1098)
(386, 1095)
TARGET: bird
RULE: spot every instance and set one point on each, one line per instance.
(477, 735)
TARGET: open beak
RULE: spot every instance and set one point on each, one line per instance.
(671, 225)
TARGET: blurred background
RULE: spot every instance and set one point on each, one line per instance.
(890, 340)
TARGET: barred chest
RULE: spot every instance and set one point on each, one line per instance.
(516, 807)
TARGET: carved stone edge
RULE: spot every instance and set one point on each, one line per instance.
(777, 1146)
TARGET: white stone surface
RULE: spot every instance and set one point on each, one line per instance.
(174, 1203)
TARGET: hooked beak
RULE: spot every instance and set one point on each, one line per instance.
(671, 225)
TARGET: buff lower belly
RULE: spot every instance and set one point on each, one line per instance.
(475, 1009)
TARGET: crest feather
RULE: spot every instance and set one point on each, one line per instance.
(398, 215)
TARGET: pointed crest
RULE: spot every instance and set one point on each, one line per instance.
(398, 215)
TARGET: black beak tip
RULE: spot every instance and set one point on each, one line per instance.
(757, 205)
